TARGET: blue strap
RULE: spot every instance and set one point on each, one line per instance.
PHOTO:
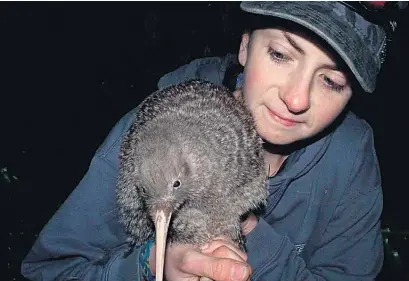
(143, 259)
(239, 80)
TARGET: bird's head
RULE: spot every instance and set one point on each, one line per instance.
(166, 177)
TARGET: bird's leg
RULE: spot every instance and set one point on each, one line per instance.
(162, 219)
(236, 238)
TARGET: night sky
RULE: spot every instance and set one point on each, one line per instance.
(70, 71)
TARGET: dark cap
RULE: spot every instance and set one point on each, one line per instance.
(358, 42)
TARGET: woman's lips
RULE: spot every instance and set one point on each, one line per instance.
(284, 121)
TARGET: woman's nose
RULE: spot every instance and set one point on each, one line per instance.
(296, 94)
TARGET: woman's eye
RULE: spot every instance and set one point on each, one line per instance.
(277, 56)
(328, 82)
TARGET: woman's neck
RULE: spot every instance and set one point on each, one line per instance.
(273, 162)
(274, 157)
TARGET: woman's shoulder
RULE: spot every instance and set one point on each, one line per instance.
(352, 130)
(352, 148)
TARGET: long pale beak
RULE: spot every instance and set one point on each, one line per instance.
(162, 219)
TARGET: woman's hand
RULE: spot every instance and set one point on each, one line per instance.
(249, 224)
(217, 260)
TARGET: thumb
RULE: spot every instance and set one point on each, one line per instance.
(218, 269)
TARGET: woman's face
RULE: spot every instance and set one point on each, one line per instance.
(292, 86)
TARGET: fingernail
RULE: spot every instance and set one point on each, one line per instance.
(239, 272)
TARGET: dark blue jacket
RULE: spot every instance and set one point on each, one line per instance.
(322, 222)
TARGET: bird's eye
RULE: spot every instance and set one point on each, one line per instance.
(176, 184)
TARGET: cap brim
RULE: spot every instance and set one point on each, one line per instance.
(322, 18)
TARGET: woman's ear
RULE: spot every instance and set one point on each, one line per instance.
(243, 52)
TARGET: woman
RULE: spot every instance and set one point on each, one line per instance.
(301, 62)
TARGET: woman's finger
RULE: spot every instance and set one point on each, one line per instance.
(227, 252)
(218, 269)
(223, 247)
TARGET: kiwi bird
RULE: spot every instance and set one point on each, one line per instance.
(191, 166)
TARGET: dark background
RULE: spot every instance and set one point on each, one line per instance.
(70, 71)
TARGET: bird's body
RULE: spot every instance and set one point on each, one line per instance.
(193, 155)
